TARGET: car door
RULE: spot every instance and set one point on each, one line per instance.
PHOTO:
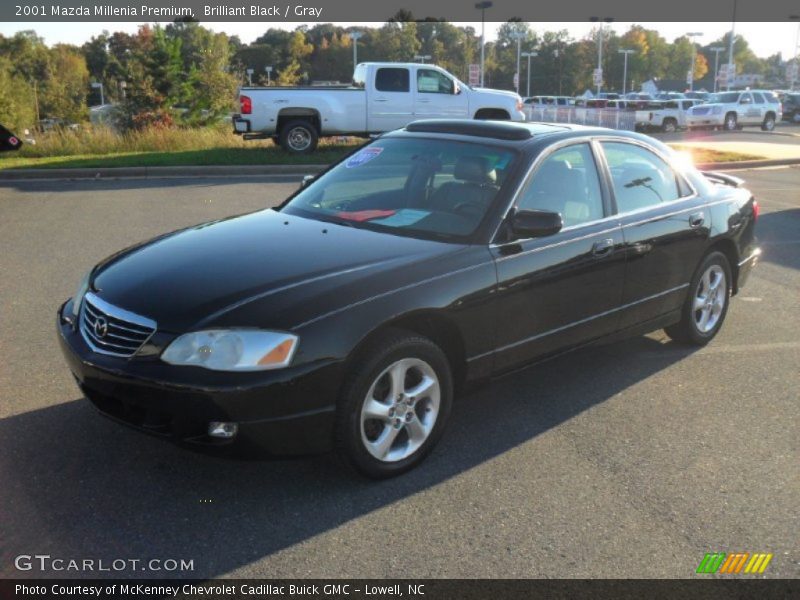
(436, 95)
(759, 103)
(561, 290)
(391, 104)
(748, 111)
(665, 225)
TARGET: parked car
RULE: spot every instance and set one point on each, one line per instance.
(548, 101)
(791, 106)
(438, 255)
(8, 141)
(733, 110)
(698, 95)
(383, 97)
(668, 116)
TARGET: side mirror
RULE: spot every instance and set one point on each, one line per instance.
(745, 101)
(306, 180)
(535, 223)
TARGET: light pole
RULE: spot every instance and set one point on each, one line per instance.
(529, 55)
(518, 35)
(422, 57)
(730, 50)
(355, 36)
(796, 48)
(482, 6)
(96, 85)
(625, 69)
(268, 69)
(690, 77)
(716, 50)
(600, 33)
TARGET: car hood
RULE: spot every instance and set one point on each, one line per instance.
(499, 94)
(265, 269)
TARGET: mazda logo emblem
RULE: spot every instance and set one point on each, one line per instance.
(100, 327)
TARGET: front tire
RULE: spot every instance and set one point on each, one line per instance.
(705, 308)
(394, 405)
(731, 122)
(299, 137)
(669, 126)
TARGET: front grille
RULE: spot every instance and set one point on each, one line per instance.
(111, 330)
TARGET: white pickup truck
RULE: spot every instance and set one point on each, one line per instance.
(668, 115)
(382, 97)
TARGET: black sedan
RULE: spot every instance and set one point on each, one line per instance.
(448, 252)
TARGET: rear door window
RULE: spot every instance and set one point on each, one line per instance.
(392, 79)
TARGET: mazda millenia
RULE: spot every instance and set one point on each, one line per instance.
(349, 317)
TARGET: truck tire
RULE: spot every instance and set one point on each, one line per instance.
(669, 125)
(731, 123)
(769, 123)
(299, 137)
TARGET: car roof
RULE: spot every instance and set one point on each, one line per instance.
(505, 133)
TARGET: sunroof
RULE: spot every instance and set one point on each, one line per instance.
(491, 129)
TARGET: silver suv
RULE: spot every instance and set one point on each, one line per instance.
(734, 110)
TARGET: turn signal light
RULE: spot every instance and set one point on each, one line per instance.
(246, 105)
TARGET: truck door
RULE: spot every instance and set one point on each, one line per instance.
(748, 112)
(438, 96)
(391, 103)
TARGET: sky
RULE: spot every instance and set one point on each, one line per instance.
(764, 38)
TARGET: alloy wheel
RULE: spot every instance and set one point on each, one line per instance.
(709, 299)
(400, 410)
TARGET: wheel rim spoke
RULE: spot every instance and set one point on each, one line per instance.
(417, 432)
(710, 298)
(383, 444)
(373, 409)
(397, 375)
(423, 388)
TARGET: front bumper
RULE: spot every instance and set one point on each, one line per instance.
(705, 120)
(283, 412)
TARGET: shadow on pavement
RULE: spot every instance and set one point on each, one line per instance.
(76, 485)
(779, 236)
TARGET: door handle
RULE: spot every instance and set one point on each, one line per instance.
(381, 100)
(423, 101)
(603, 247)
(696, 220)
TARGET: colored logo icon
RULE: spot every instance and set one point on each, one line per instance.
(734, 563)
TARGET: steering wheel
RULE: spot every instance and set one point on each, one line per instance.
(468, 208)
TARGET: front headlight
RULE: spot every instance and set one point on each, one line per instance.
(77, 297)
(232, 350)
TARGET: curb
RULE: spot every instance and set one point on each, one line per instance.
(748, 164)
(160, 172)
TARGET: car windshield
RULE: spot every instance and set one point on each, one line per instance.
(438, 189)
(724, 98)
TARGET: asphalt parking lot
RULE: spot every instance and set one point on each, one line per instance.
(628, 460)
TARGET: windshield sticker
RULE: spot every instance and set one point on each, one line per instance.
(404, 217)
(363, 157)
(364, 215)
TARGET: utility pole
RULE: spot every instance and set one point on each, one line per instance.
(529, 55)
(600, 34)
(716, 50)
(730, 50)
(690, 76)
(355, 36)
(482, 6)
(625, 69)
(518, 35)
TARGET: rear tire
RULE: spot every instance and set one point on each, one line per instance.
(669, 126)
(769, 123)
(299, 137)
(707, 303)
(394, 405)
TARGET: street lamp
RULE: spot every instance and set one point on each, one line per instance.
(268, 69)
(690, 77)
(95, 85)
(625, 69)
(600, 33)
(529, 55)
(716, 50)
(355, 36)
(482, 6)
(422, 57)
(517, 35)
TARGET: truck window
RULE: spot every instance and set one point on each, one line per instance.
(392, 79)
(360, 77)
(433, 82)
